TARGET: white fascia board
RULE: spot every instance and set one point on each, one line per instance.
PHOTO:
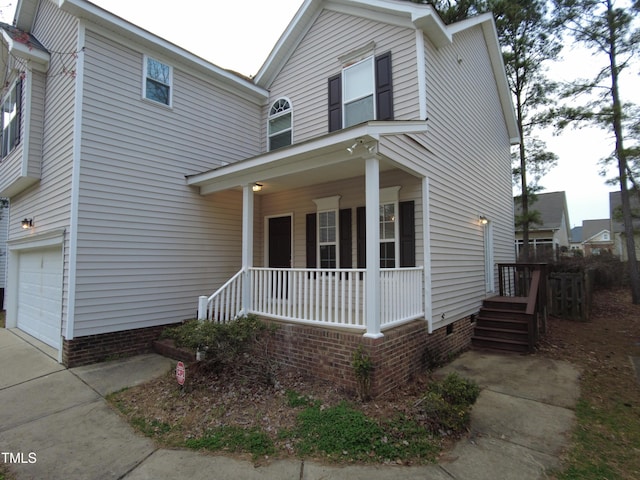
(38, 59)
(273, 163)
(403, 14)
(85, 10)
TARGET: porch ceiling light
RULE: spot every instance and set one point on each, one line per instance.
(483, 220)
(27, 223)
(256, 187)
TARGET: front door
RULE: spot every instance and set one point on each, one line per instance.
(280, 242)
(279, 254)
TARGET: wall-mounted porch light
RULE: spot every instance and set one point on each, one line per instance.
(27, 223)
(256, 187)
(483, 220)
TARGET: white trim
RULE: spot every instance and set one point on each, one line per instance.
(75, 184)
(426, 251)
(372, 287)
(145, 76)
(247, 244)
(277, 115)
(283, 161)
(489, 273)
(421, 70)
(327, 203)
(53, 238)
(371, 60)
(389, 195)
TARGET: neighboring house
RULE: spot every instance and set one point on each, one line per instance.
(597, 238)
(340, 192)
(575, 242)
(549, 238)
(4, 230)
(617, 225)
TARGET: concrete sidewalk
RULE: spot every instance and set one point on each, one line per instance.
(55, 423)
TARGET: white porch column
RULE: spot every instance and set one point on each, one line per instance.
(247, 246)
(426, 235)
(372, 195)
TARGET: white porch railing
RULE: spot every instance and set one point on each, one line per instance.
(331, 297)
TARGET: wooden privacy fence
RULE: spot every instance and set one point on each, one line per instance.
(570, 294)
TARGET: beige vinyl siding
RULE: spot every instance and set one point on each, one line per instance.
(470, 173)
(48, 201)
(148, 245)
(299, 202)
(304, 77)
(4, 230)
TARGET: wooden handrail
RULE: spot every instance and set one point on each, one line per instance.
(532, 297)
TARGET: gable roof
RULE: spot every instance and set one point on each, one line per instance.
(397, 12)
(26, 11)
(553, 210)
(593, 228)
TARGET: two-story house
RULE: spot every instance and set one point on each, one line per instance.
(357, 190)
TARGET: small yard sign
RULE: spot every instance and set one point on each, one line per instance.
(180, 373)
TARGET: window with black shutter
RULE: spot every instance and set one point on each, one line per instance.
(362, 91)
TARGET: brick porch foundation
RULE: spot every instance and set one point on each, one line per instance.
(399, 355)
(98, 348)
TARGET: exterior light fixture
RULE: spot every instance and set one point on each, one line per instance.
(256, 187)
(351, 149)
(483, 220)
(27, 223)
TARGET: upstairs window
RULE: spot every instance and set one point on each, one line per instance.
(362, 91)
(358, 88)
(157, 81)
(280, 124)
(11, 118)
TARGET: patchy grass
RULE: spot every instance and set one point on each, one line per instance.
(606, 440)
(297, 417)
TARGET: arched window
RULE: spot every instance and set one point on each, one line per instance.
(280, 124)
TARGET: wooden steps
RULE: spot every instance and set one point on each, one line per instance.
(504, 325)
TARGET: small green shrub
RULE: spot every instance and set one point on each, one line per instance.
(456, 390)
(228, 344)
(294, 400)
(446, 406)
(362, 366)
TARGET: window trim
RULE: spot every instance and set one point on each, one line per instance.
(145, 77)
(270, 117)
(16, 87)
(327, 205)
(372, 94)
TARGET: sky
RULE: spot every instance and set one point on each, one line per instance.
(239, 35)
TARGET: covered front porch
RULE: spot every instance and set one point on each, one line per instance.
(384, 289)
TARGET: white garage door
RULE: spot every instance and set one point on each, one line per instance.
(40, 294)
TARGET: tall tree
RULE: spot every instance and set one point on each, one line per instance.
(606, 27)
(528, 40)
(527, 37)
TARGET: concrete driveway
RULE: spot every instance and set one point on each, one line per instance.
(55, 423)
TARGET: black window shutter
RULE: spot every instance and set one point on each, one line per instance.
(345, 238)
(311, 240)
(407, 234)
(384, 87)
(335, 103)
(361, 237)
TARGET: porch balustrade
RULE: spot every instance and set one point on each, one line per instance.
(329, 297)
